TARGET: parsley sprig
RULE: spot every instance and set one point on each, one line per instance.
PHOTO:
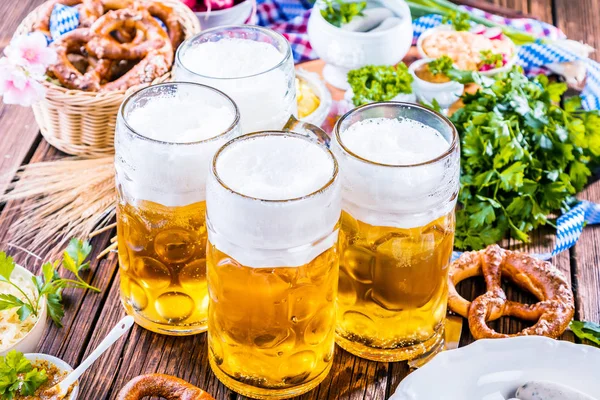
(340, 12)
(379, 83)
(459, 20)
(523, 156)
(49, 284)
(17, 376)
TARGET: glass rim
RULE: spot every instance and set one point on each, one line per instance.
(447, 153)
(231, 127)
(258, 134)
(278, 36)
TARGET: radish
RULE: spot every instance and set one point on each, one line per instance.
(494, 33)
(478, 29)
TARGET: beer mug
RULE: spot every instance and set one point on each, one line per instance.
(400, 178)
(253, 65)
(273, 209)
(165, 139)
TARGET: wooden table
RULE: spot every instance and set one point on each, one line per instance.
(89, 316)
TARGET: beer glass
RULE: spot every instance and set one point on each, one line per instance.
(253, 65)
(273, 208)
(400, 178)
(165, 139)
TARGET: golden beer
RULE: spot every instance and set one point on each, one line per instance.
(165, 138)
(162, 254)
(393, 286)
(400, 165)
(273, 208)
(279, 335)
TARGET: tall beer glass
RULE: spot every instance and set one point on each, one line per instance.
(165, 139)
(400, 169)
(273, 208)
(253, 65)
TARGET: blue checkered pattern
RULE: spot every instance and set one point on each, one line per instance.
(534, 56)
(64, 19)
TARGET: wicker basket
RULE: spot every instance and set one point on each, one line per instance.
(83, 123)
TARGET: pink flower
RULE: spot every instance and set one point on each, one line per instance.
(31, 52)
(17, 87)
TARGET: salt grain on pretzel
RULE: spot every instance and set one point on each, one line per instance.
(553, 312)
(164, 386)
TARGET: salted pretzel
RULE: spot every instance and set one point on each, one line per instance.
(553, 312)
(64, 70)
(165, 386)
(91, 10)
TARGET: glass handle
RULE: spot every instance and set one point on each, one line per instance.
(307, 129)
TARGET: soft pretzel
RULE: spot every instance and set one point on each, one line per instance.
(553, 312)
(92, 10)
(64, 70)
(166, 386)
(104, 45)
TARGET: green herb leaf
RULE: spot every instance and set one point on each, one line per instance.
(55, 308)
(339, 12)
(75, 255)
(8, 301)
(490, 58)
(441, 65)
(586, 330)
(459, 20)
(17, 376)
(7, 265)
(379, 83)
(523, 157)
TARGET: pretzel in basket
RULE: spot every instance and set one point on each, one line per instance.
(164, 386)
(553, 312)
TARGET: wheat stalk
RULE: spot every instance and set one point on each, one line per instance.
(61, 199)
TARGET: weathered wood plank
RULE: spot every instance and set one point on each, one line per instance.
(579, 20)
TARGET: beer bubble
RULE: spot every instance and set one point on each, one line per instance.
(175, 245)
(174, 306)
(152, 273)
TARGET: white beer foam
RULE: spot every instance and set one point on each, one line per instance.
(174, 173)
(232, 58)
(400, 196)
(273, 232)
(266, 100)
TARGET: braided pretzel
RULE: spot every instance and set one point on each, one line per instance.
(65, 71)
(553, 312)
(166, 386)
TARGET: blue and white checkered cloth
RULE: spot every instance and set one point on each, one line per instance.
(535, 55)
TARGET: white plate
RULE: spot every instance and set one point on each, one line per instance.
(494, 368)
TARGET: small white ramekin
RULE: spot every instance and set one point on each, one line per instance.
(445, 94)
(60, 364)
(30, 342)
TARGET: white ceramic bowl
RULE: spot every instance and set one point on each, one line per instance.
(510, 63)
(314, 81)
(31, 340)
(494, 368)
(236, 15)
(343, 50)
(445, 93)
(60, 364)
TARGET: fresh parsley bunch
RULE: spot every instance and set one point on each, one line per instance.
(523, 156)
(49, 284)
(379, 83)
(340, 12)
(459, 20)
(17, 376)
